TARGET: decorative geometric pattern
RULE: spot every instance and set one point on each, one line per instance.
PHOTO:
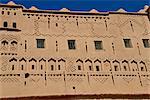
(9, 80)
(100, 80)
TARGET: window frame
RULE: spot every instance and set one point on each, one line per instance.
(127, 40)
(14, 25)
(71, 46)
(5, 24)
(146, 43)
(38, 45)
(98, 45)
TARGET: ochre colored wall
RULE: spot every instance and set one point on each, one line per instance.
(110, 28)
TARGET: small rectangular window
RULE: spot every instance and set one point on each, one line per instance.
(127, 43)
(5, 24)
(58, 67)
(21, 67)
(12, 67)
(146, 43)
(40, 43)
(52, 67)
(98, 45)
(90, 67)
(79, 67)
(97, 68)
(32, 66)
(71, 44)
(41, 67)
(14, 25)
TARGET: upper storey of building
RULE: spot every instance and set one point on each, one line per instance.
(17, 18)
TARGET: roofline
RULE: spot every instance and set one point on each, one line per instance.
(61, 12)
(71, 12)
(128, 13)
(11, 6)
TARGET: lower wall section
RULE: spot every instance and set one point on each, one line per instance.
(81, 83)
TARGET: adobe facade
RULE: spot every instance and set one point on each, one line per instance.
(47, 52)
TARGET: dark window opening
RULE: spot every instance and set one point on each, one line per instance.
(125, 68)
(97, 68)
(90, 67)
(41, 67)
(8, 13)
(71, 44)
(56, 24)
(146, 43)
(73, 87)
(40, 43)
(79, 67)
(142, 68)
(116, 68)
(2, 12)
(21, 67)
(58, 67)
(12, 67)
(32, 66)
(98, 45)
(14, 25)
(52, 67)
(5, 24)
(127, 43)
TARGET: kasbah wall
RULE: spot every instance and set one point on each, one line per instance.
(26, 70)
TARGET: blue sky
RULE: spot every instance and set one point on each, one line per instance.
(84, 5)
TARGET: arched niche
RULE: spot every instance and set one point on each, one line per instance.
(106, 65)
(4, 45)
(22, 64)
(79, 65)
(42, 64)
(88, 65)
(97, 65)
(13, 64)
(13, 45)
(133, 66)
(142, 66)
(61, 64)
(116, 65)
(32, 64)
(51, 64)
(125, 66)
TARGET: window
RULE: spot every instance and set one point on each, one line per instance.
(12, 67)
(116, 68)
(21, 67)
(97, 68)
(98, 45)
(41, 67)
(142, 69)
(79, 67)
(71, 44)
(32, 66)
(125, 68)
(146, 43)
(58, 67)
(14, 25)
(52, 67)
(5, 24)
(127, 43)
(40, 43)
(90, 67)
(2, 12)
